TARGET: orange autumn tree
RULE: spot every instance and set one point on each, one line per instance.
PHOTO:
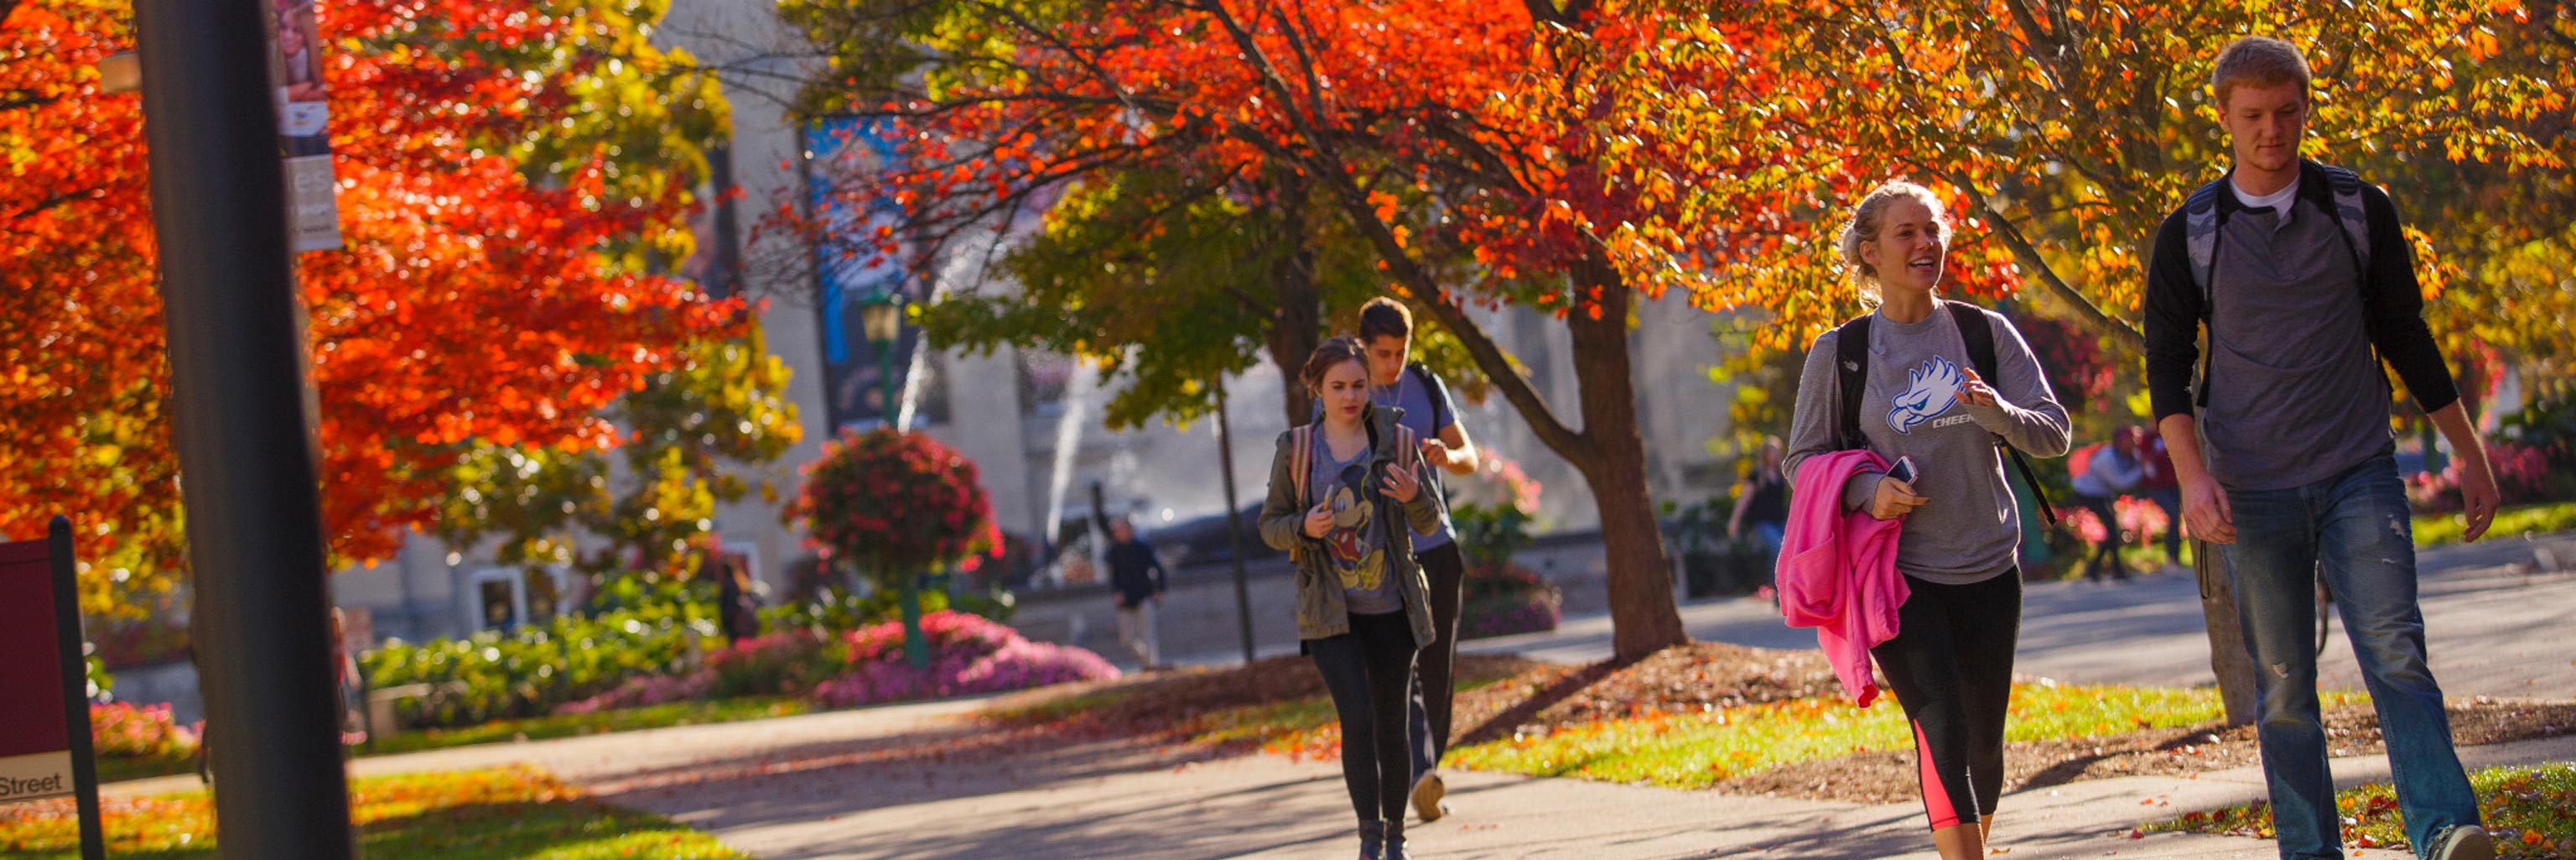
(1438, 132)
(507, 176)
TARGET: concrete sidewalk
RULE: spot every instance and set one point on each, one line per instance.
(900, 783)
(1117, 800)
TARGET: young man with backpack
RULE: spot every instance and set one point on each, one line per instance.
(1386, 335)
(2303, 277)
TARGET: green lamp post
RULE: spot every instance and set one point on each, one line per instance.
(882, 318)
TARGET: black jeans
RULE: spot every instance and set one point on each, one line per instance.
(1368, 671)
(1950, 666)
(1427, 718)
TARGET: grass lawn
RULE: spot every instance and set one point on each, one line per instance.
(505, 814)
(2441, 529)
(2431, 530)
(2530, 810)
(532, 728)
(1694, 750)
(624, 720)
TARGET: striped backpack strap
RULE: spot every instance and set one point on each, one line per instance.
(2200, 235)
(2352, 215)
(1301, 462)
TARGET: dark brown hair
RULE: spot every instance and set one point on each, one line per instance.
(1385, 317)
(1326, 355)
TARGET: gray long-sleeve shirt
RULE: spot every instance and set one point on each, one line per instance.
(1970, 531)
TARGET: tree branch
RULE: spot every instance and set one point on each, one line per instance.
(2029, 257)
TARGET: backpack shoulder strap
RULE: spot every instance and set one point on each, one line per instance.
(2200, 233)
(1978, 333)
(1851, 368)
(2351, 214)
(1977, 330)
(1432, 391)
(1301, 461)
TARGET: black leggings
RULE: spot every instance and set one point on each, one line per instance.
(1434, 674)
(1950, 666)
(1369, 670)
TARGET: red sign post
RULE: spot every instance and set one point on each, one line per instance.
(44, 704)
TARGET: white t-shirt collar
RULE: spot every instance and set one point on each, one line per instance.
(2278, 201)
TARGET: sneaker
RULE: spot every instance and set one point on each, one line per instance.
(1427, 794)
(2465, 842)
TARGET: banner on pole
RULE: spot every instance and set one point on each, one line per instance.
(304, 129)
(35, 736)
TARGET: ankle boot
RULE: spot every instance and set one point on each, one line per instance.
(1395, 848)
(1372, 840)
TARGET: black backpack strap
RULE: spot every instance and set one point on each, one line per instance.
(1433, 391)
(1851, 368)
(1978, 332)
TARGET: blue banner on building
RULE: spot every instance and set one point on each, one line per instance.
(842, 156)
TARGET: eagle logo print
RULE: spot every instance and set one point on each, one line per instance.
(1929, 391)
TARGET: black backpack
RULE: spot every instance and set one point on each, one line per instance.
(1851, 365)
(2201, 226)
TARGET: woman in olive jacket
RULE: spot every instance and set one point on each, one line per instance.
(1346, 498)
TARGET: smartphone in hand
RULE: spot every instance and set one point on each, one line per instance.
(1903, 470)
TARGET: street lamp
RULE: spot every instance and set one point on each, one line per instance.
(881, 317)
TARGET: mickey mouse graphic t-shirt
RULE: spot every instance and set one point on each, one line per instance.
(1356, 545)
(1970, 530)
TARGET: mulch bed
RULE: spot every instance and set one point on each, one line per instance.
(1520, 695)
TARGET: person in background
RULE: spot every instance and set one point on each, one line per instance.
(1137, 578)
(1422, 403)
(2162, 488)
(737, 605)
(2115, 469)
(1762, 502)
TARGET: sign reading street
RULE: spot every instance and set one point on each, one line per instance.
(35, 733)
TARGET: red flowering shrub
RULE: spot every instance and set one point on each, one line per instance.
(896, 504)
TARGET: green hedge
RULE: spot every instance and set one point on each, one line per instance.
(490, 676)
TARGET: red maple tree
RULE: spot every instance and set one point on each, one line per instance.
(491, 287)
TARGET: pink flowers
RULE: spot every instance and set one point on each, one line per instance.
(645, 691)
(969, 655)
(121, 730)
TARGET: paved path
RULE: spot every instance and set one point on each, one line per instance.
(2495, 622)
(901, 783)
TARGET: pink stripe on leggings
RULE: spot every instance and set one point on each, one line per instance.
(1936, 798)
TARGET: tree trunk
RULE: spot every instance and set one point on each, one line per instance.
(2228, 658)
(1643, 619)
(1297, 328)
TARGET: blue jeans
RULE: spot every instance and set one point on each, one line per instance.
(2170, 499)
(2354, 528)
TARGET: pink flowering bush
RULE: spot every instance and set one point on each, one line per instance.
(968, 655)
(148, 732)
(2140, 521)
(1504, 599)
(643, 692)
(2522, 472)
(790, 662)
